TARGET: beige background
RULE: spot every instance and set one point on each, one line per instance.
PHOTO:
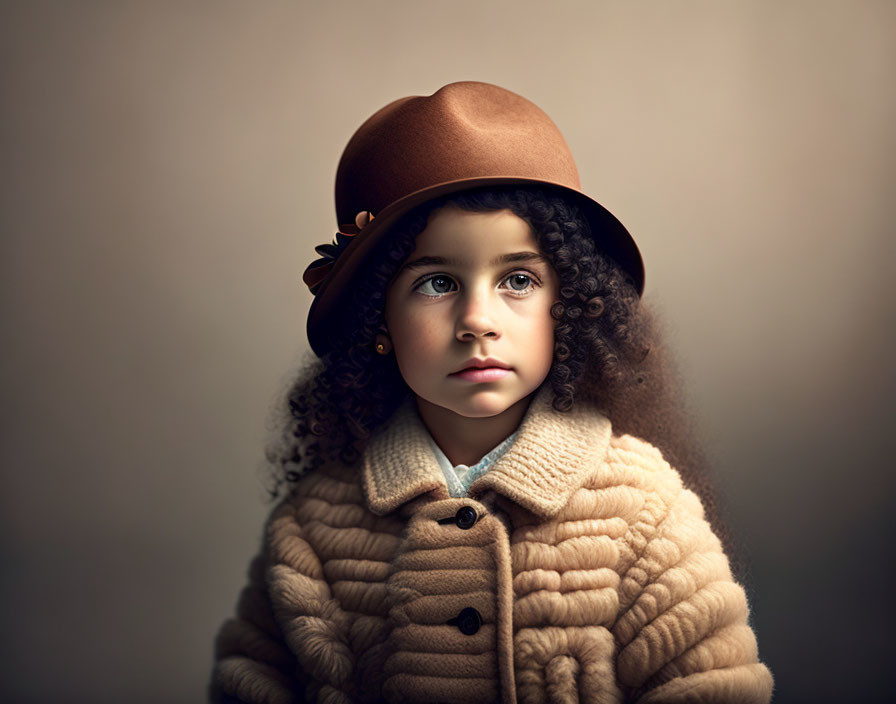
(168, 167)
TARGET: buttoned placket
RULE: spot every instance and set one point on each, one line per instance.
(469, 620)
(479, 534)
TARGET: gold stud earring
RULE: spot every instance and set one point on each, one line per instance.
(383, 344)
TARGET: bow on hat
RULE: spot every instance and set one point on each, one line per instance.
(318, 271)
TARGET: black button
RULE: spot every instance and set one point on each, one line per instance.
(467, 621)
(465, 517)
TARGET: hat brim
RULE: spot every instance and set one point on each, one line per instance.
(325, 324)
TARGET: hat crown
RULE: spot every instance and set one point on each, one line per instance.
(463, 131)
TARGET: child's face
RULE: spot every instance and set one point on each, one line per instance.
(458, 297)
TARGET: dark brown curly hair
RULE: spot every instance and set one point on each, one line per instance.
(607, 351)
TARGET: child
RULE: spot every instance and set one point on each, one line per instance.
(480, 504)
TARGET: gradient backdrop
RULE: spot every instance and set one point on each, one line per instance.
(168, 168)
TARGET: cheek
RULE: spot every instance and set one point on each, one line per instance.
(418, 352)
(413, 336)
(540, 338)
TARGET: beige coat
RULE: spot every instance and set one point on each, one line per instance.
(579, 571)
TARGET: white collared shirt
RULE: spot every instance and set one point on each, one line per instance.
(460, 477)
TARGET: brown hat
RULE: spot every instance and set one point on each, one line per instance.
(464, 135)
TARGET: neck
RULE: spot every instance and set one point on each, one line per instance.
(466, 440)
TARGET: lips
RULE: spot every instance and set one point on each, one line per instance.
(485, 374)
(476, 363)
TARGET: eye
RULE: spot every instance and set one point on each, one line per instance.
(436, 286)
(521, 284)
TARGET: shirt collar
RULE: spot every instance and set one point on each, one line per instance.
(550, 458)
(459, 477)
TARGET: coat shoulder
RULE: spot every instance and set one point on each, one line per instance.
(638, 464)
(332, 483)
(633, 451)
(641, 467)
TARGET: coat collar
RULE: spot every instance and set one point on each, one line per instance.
(550, 458)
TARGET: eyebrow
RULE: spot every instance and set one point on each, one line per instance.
(421, 262)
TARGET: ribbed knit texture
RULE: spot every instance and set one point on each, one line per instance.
(592, 569)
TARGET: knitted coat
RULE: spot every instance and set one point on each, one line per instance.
(579, 570)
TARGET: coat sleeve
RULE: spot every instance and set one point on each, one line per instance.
(255, 660)
(683, 632)
(252, 662)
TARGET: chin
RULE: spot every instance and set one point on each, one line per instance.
(484, 405)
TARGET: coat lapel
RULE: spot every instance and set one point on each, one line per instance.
(398, 464)
(550, 459)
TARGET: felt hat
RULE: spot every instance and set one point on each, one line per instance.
(465, 135)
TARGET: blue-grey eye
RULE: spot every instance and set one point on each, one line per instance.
(437, 285)
(441, 284)
(520, 279)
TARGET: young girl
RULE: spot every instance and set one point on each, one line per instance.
(479, 502)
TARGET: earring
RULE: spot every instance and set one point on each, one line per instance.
(383, 344)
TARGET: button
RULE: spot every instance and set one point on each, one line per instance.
(467, 621)
(465, 517)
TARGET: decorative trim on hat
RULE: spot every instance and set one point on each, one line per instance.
(319, 270)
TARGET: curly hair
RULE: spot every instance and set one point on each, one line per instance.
(607, 351)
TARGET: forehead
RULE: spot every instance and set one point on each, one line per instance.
(470, 236)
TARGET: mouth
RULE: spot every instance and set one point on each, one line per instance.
(481, 375)
(476, 364)
(482, 370)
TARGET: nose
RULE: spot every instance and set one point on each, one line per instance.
(476, 317)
